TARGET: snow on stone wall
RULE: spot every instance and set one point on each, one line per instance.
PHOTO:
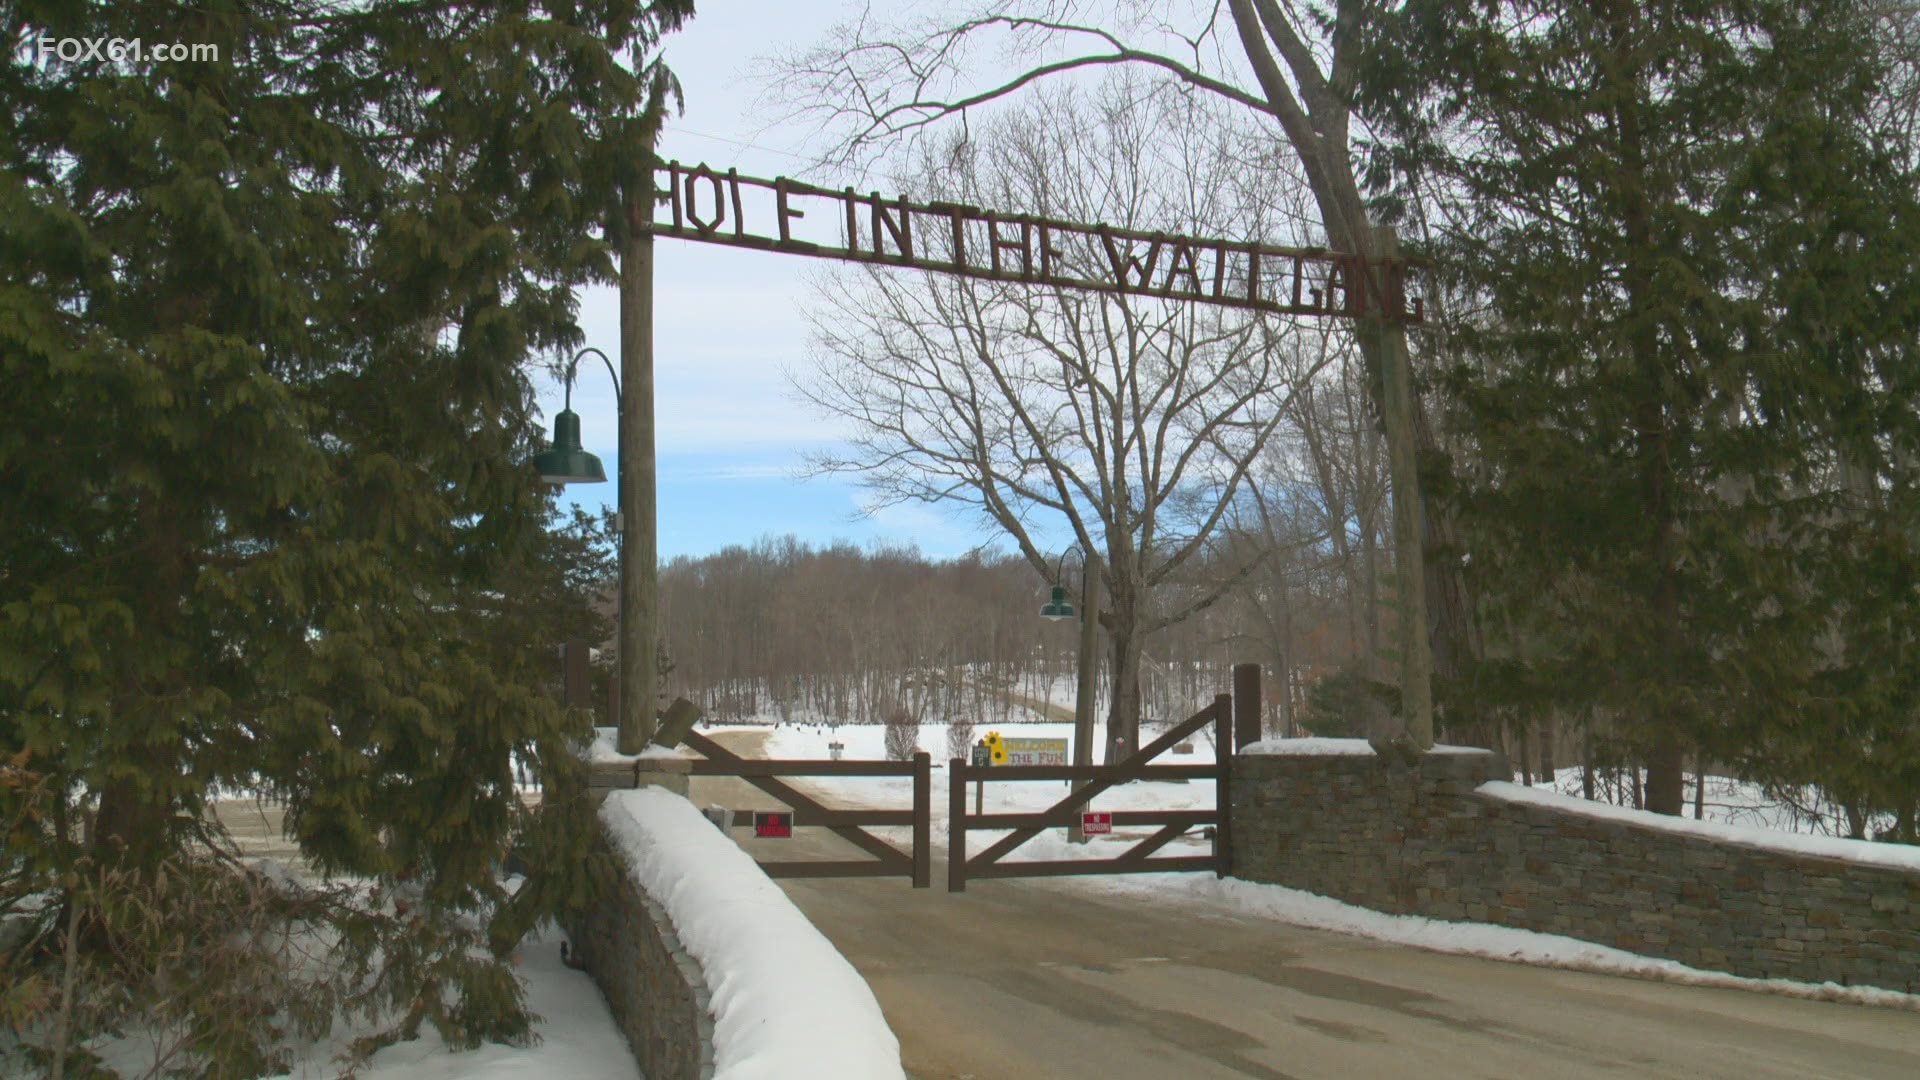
(1454, 839)
(785, 1004)
(1864, 852)
(1317, 746)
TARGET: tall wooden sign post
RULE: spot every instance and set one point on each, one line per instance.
(639, 549)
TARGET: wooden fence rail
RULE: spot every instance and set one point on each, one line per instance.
(1136, 859)
(849, 824)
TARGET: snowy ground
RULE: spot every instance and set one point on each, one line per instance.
(577, 1034)
(1733, 802)
(579, 1039)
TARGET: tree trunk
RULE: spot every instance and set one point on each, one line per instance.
(1370, 586)
(1319, 138)
(1282, 723)
(131, 824)
(1123, 708)
(130, 827)
(1665, 789)
(1666, 772)
(1409, 562)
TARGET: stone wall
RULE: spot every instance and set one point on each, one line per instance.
(655, 991)
(1431, 841)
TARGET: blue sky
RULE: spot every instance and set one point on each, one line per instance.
(731, 434)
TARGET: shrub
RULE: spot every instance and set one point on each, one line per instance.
(1346, 704)
(903, 733)
(213, 967)
(959, 738)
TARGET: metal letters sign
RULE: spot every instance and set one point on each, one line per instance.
(1096, 821)
(777, 824)
(1036, 751)
(698, 203)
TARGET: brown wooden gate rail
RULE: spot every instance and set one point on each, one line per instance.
(887, 861)
(1134, 860)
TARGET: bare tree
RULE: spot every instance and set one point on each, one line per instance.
(1897, 26)
(1348, 482)
(1132, 422)
(1292, 64)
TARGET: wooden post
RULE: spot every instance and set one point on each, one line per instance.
(1084, 690)
(673, 725)
(639, 581)
(1223, 785)
(1246, 705)
(922, 819)
(1409, 563)
(957, 826)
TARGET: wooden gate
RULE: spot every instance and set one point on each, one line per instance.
(887, 861)
(1135, 860)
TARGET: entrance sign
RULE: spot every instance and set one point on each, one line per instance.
(996, 748)
(1096, 821)
(800, 218)
(1036, 751)
(777, 824)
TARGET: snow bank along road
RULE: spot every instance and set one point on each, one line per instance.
(1044, 979)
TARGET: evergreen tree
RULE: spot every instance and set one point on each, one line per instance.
(268, 523)
(1685, 371)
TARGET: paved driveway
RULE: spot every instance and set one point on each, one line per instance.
(1046, 979)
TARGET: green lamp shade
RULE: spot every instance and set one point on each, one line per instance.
(1057, 608)
(566, 462)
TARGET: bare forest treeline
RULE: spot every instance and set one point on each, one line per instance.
(784, 630)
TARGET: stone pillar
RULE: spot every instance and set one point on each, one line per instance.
(671, 773)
